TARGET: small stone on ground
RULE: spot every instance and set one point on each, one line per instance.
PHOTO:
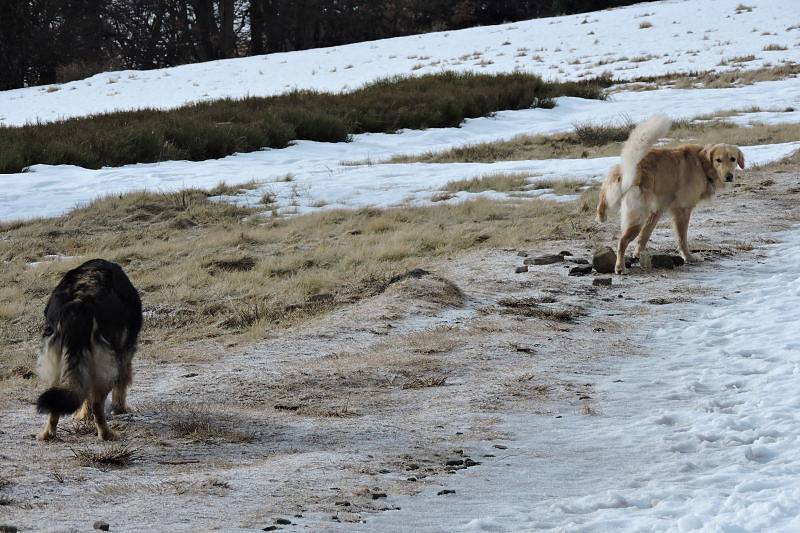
(604, 260)
(580, 270)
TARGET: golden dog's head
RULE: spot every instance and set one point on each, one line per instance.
(723, 158)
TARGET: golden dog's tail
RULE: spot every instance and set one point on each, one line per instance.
(610, 194)
(643, 136)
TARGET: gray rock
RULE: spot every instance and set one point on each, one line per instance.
(606, 282)
(577, 260)
(5, 528)
(545, 260)
(521, 270)
(283, 521)
(102, 526)
(378, 495)
(604, 260)
(664, 261)
(445, 491)
(580, 270)
(522, 254)
(564, 253)
(455, 462)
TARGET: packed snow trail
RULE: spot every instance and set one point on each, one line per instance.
(682, 36)
(702, 433)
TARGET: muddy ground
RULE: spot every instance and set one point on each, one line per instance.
(320, 425)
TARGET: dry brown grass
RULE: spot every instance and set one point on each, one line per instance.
(602, 140)
(111, 456)
(715, 79)
(196, 423)
(211, 270)
(494, 182)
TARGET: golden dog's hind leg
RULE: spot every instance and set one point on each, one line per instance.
(647, 230)
(48, 432)
(680, 223)
(627, 236)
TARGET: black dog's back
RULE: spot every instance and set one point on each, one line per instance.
(93, 307)
(103, 291)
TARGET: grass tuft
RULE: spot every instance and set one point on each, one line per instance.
(589, 134)
(493, 182)
(198, 424)
(113, 456)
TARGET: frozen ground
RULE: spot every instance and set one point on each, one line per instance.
(685, 35)
(702, 434)
(701, 428)
(322, 181)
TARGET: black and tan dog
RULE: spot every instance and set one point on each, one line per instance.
(92, 322)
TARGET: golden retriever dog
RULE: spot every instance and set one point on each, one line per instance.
(650, 181)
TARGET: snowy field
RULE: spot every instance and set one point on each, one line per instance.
(685, 35)
(703, 434)
(322, 181)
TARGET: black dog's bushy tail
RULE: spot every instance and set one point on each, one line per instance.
(74, 337)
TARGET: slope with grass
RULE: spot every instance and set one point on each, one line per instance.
(323, 176)
(216, 129)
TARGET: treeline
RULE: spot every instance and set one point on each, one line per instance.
(51, 41)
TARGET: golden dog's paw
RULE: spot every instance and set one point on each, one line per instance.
(689, 258)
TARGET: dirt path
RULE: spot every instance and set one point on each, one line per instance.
(373, 400)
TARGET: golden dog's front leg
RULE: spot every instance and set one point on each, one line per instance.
(680, 224)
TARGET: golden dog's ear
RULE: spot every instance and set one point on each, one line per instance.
(740, 158)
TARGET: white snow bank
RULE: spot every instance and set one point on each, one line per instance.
(686, 35)
(320, 178)
(703, 434)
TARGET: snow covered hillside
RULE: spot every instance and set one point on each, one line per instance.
(640, 40)
(324, 178)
